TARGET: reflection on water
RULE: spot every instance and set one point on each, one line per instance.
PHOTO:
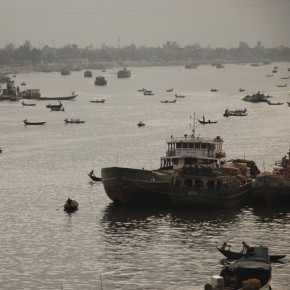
(265, 214)
(116, 216)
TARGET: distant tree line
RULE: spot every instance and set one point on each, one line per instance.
(169, 53)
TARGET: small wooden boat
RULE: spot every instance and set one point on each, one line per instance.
(239, 113)
(71, 205)
(207, 122)
(99, 101)
(166, 101)
(285, 78)
(23, 84)
(282, 86)
(237, 255)
(169, 90)
(140, 124)
(241, 90)
(179, 96)
(93, 177)
(26, 104)
(33, 123)
(73, 121)
(214, 90)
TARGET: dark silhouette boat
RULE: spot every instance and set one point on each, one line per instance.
(88, 74)
(140, 124)
(94, 177)
(98, 101)
(170, 102)
(73, 121)
(238, 255)
(33, 123)
(71, 205)
(207, 122)
(58, 106)
(100, 81)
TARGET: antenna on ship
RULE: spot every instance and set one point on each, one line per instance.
(193, 130)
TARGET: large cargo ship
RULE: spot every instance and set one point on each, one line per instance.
(193, 173)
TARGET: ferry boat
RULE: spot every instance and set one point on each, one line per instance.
(273, 187)
(193, 173)
(124, 73)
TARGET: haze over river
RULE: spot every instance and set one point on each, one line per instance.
(106, 247)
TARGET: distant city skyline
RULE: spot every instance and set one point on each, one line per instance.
(119, 23)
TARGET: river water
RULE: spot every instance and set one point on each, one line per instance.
(106, 247)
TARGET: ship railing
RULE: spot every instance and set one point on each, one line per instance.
(194, 138)
(170, 153)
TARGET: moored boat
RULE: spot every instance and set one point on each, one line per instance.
(193, 173)
(273, 187)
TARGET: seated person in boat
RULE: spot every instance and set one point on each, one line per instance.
(226, 247)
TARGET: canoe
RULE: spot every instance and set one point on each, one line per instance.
(73, 121)
(25, 104)
(98, 101)
(33, 123)
(237, 255)
(207, 122)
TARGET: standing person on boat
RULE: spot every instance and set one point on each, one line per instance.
(92, 173)
(246, 248)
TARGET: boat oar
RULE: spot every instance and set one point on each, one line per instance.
(59, 207)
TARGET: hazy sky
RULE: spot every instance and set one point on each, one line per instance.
(218, 23)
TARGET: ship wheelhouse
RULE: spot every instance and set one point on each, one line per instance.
(188, 150)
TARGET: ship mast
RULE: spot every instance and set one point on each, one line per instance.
(193, 130)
